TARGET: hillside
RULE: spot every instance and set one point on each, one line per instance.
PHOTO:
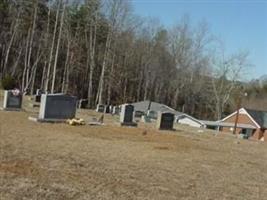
(58, 161)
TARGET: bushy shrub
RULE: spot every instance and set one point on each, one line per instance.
(8, 83)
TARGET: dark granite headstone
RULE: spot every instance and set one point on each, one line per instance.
(165, 121)
(83, 103)
(57, 106)
(107, 110)
(37, 98)
(12, 99)
(38, 95)
(127, 115)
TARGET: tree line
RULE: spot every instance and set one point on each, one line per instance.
(101, 51)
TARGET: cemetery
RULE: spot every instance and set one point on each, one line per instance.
(157, 152)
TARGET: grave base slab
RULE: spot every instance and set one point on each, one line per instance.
(36, 119)
(10, 109)
(128, 124)
(96, 124)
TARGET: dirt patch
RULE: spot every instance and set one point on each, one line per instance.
(18, 167)
(162, 148)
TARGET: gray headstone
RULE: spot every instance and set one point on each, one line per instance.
(57, 106)
(145, 119)
(138, 114)
(100, 108)
(152, 114)
(111, 108)
(115, 110)
(127, 115)
(165, 121)
(12, 100)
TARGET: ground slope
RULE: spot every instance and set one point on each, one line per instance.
(57, 161)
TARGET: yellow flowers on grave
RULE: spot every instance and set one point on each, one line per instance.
(75, 121)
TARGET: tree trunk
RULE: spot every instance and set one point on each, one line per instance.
(57, 48)
(63, 89)
(92, 60)
(44, 75)
(31, 42)
(52, 50)
(8, 50)
(110, 80)
(25, 63)
(99, 98)
(15, 66)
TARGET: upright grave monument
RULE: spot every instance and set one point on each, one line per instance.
(56, 108)
(38, 95)
(83, 103)
(115, 110)
(12, 100)
(100, 108)
(127, 115)
(107, 109)
(165, 121)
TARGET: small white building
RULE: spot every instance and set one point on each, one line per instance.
(189, 120)
(152, 109)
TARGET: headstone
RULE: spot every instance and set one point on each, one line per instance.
(39, 92)
(57, 106)
(139, 114)
(12, 100)
(165, 121)
(83, 103)
(38, 95)
(111, 108)
(127, 115)
(145, 119)
(152, 114)
(37, 98)
(115, 110)
(107, 109)
(100, 108)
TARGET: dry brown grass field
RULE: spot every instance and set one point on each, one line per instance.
(62, 162)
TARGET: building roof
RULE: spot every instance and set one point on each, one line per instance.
(143, 107)
(259, 116)
(227, 124)
(210, 123)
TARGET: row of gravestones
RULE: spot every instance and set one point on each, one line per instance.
(114, 110)
(164, 121)
(53, 106)
(61, 107)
